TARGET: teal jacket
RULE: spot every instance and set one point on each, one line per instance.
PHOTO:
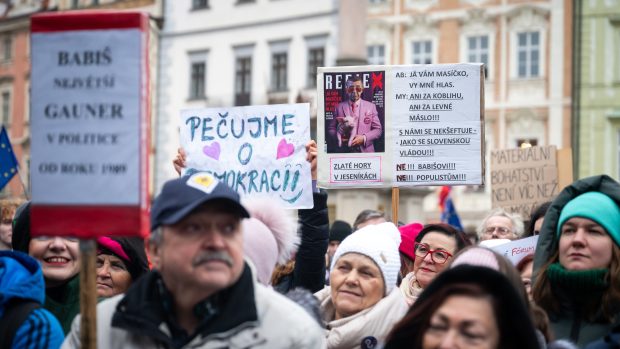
(568, 324)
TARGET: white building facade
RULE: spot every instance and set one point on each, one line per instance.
(238, 52)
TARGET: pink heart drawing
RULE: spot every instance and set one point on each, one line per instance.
(284, 149)
(212, 151)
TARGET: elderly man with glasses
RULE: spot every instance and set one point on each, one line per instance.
(499, 224)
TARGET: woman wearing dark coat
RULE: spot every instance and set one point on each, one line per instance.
(577, 261)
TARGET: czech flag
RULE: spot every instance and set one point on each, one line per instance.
(446, 206)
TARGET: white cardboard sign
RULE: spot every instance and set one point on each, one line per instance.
(421, 125)
(86, 120)
(256, 150)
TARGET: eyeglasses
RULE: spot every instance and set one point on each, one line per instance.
(356, 88)
(501, 231)
(438, 256)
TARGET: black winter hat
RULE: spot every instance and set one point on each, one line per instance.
(339, 230)
(21, 228)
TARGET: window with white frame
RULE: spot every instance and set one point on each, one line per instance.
(243, 80)
(279, 66)
(27, 102)
(7, 48)
(197, 75)
(614, 47)
(422, 52)
(376, 54)
(200, 4)
(316, 58)
(478, 51)
(528, 54)
(197, 80)
(5, 108)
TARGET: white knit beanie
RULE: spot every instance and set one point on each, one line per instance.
(378, 242)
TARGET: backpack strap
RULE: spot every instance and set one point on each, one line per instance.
(15, 313)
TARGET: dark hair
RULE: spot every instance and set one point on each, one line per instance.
(367, 215)
(461, 239)
(609, 303)
(21, 228)
(474, 281)
(355, 78)
(339, 231)
(538, 212)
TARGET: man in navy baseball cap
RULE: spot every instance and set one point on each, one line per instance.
(181, 196)
(201, 289)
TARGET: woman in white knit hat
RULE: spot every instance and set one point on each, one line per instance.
(362, 303)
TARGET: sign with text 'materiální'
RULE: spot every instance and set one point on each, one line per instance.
(400, 126)
(89, 120)
(523, 178)
(256, 150)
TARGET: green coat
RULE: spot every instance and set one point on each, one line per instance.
(568, 320)
(64, 302)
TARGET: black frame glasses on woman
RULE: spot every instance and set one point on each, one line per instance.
(438, 256)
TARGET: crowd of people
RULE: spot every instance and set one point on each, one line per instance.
(221, 272)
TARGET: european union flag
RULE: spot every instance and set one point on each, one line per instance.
(8, 161)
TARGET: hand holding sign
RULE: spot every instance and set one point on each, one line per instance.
(256, 150)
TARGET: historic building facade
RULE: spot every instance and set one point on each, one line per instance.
(526, 47)
(597, 88)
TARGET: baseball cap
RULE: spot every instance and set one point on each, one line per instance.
(179, 197)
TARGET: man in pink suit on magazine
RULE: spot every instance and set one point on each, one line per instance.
(356, 123)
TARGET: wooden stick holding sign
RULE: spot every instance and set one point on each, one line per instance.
(88, 293)
(395, 200)
(90, 134)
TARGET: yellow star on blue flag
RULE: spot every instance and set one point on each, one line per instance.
(8, 161)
